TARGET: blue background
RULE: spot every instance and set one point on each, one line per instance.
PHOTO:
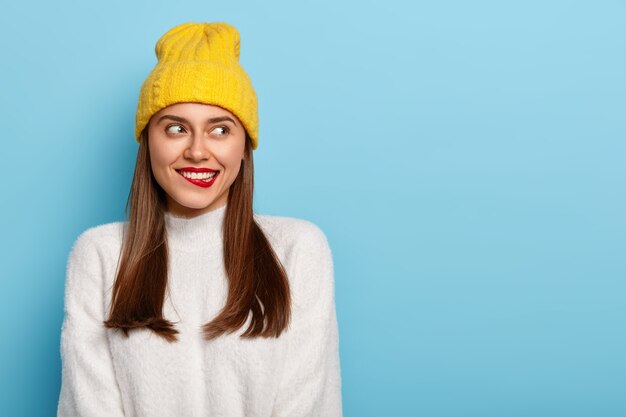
(465, 160)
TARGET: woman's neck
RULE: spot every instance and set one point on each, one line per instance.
(197, 232)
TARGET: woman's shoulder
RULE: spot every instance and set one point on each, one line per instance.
(289, 231)
(105, 235)
(307, 256)
(95, 251)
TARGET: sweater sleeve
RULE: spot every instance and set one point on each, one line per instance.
(310, 384)
(88, 385)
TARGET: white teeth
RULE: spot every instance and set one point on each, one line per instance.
(198, 175)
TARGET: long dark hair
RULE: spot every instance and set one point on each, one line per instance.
(257, 280)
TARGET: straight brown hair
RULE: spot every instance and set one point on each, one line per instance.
(257, 281)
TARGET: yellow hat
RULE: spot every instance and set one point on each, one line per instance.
(199, 62)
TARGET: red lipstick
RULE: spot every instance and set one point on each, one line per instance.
(193, 169)
(197, 181)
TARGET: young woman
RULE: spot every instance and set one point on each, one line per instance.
(196, 306)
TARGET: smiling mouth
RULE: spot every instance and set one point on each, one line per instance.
(199, 176)
(200, 179)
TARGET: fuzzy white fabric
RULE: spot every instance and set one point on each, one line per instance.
(106, 374)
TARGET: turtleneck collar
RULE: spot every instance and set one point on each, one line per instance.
(195, 233)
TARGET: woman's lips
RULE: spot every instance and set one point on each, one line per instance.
(199, 182)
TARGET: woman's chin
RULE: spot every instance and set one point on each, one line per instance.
(192, 206)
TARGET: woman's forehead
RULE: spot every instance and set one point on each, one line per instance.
(194, 107)
(194, 110)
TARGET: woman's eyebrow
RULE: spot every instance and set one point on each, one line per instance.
(183, 120)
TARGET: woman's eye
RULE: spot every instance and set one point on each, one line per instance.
(224, 130)
(177, 129)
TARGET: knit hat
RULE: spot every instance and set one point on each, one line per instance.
(199, 62)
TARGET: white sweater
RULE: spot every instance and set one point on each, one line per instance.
(106, 374)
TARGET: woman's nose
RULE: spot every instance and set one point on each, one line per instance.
(197, 149)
